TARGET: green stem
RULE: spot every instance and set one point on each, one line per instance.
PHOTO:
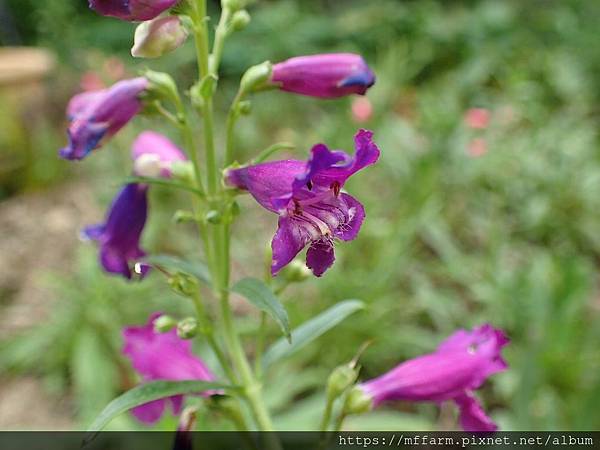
(260, 344)
(327, 413)
(219, 236)
(232, 117)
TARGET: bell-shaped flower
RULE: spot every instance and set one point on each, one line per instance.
(325, 76)
(97, 115)
(154, 155)
(308, 197)
(132, 10)
(162, 356)
(159, 36)
(119, 236)
(460, 365)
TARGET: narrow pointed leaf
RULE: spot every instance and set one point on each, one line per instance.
(172, 263)
(311, 330)
(261, 296)
(148, 392)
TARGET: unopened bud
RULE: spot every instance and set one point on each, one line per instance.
(164, 323)
(147, 165)
(240, 20)
(182, 170)
(161, 85)
(187, 328)
(213, 216)
(181, 216)
(244, 108)
(183, 284)
(256, 76)
(233, 5)
(357, 402)
(341, 379)
(296, 272)
(156, 37)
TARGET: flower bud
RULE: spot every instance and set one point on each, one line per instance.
(341, 379)
(256, 76)
(187, 328)
(156, 37)
(240, 20)
(182, 170)
(325, 76)
(233, 5)
(161, 85)
(164, 323)
(213, 216)
(183, 284)
(357, 402)
(296, 272)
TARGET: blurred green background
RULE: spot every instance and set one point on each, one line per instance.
(465, 225)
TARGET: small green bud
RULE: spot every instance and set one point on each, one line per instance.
(341, 379)
(183, 284)
(213, 216)
(256, 76)
(181, 216)
(187, 328)
(357, 402)
(161, 86)
(296, 272)
(233, 5)
(164, 323)
(240, 20)
(244, 108)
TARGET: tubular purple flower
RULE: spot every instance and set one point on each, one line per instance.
(308, 199)
(96, 116)
(460, 365)
(119, 236)
(162, 356)
(154, 155)
(131, 10)
(324, 76)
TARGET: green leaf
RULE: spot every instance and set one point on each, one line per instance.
(173, 263)
(148, 392)
(261, 296)
(311, 330)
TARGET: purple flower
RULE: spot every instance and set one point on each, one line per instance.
(119, 236)
(97, 115)
(132, 10)
(460, 365)
(154, 155)
(325, 76)
(308, 199)
(162, 356)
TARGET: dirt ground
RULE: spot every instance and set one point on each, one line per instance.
(38, 234)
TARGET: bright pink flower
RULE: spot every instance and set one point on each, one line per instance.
(460, 365)
(162, 356)
(362, 109)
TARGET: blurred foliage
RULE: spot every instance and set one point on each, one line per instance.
(451, 240)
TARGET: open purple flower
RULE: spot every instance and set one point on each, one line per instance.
(325, 76)
(97, 115)
(154, 155)
(132, 10)
(460, 365)
(119, 236)
(308, 199)
(162, 356)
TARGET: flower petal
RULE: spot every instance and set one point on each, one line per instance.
(150, 412)
(286, 244)
(356, 214)
(472, 416)
(150, 145)
(267, 181)
(320, 257)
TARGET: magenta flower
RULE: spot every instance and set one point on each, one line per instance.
(119, 236)
(325, 76)
(154, 155)
(98, 115)
(132, 10)
(308, 199)
(460, 365)
(162, 356)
